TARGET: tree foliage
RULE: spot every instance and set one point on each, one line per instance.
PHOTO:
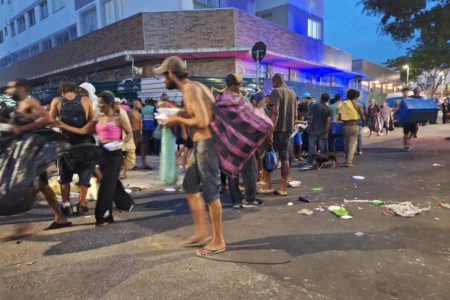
(427, 22)
(403, 20)
(426, 60)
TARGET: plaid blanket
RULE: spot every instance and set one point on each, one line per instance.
(238, 130)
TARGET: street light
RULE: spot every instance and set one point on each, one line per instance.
(407, 73)
(129, 57)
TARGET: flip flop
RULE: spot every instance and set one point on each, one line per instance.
(197, 244)
(266, 191)
(53, 225)
(207, 252)
(279, 193)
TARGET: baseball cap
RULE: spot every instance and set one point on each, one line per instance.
(174, 63)
(117, 100)
(233, 79)
(306, 95)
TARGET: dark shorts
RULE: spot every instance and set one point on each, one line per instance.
(138, 140)
(80, 160)
(410, 128)
(281, 144)
(203, 171)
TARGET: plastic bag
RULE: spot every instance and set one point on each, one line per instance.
(157, 133)
(168, 170)
(270, 161)
(22, 161)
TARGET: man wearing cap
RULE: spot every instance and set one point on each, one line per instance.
(203, 163)
(249, 171)
(283, 112)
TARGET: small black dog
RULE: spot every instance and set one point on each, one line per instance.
(324, 158)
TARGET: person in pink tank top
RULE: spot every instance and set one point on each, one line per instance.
(109, 129)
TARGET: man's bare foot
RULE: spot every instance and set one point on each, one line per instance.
(196, 240)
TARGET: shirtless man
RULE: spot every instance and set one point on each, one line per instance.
(33, 116)
(75, 111)
(203, 163)
(136, 126)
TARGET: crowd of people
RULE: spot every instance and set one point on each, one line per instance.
(103, 135)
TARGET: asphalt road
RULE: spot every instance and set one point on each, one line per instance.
(273, 252)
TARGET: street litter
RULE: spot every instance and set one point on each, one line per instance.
(444, 205)
(157, 245)
(31, 263)
(295, 183)
(303, 199)
(290, 204)
(305, 212)
(74, 195)
(359, 233)
(170, 190)
(437, 165)
(317, 189)
(320, 209)
(359, 177)
(340, 212)
(404, 209)
(374, 202)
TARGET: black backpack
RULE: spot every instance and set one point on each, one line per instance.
(72, 112)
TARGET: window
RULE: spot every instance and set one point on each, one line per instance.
(43, 7)
(21, 25)
(2, 39)
(46, 45)
(61, 38)
(57, 5)
(73, 34)
(314, 29)
(23, 54)
(13, 29)
(31, 17)
(267, 16)
(113, 11)
(34, 50)
(89, 21)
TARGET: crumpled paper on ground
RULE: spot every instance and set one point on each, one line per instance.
(406, 209)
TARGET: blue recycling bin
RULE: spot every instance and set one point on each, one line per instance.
(416, 111)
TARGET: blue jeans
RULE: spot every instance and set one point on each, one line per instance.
(249, 175)
(313, 141)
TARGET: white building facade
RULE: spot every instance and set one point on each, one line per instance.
(30, 27)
